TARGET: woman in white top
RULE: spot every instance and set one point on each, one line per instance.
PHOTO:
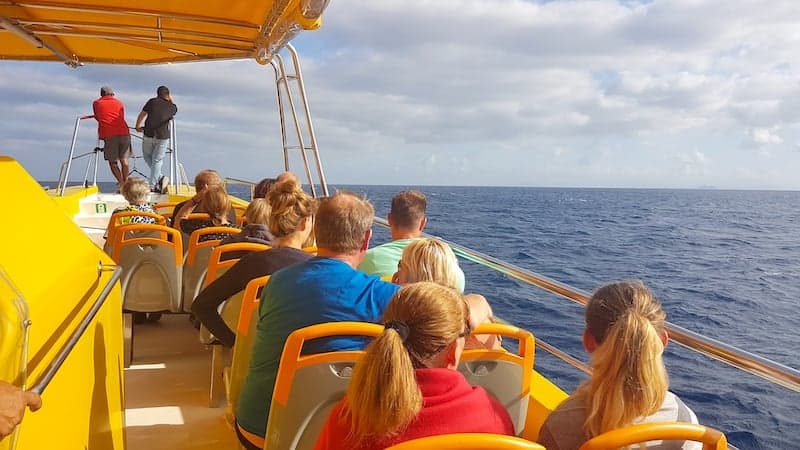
(626, 336)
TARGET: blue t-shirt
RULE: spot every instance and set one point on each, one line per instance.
(316, 291)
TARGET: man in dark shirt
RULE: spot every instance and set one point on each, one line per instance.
(113, 130)
(159, 111)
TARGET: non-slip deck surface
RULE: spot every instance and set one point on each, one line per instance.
(166, 391)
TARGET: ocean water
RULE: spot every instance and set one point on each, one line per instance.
(724, 264)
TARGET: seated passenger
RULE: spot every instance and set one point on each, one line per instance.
(263, 187)
(406, 220)
(256, 229)
(291, 223)
(626, 336)
(203, 180)
(407, 385)
(135, 191)
(326, 288)
(427, 259)
(215, 202)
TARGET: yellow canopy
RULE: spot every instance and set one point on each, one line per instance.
(151, 31)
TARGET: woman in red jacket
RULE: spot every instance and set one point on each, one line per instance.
(407, 386)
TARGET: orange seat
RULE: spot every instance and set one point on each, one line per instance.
(661, 431)
(118, 219)
(196, 264)
(245, 336)
(506, 375)
(218, 263)
(468, 441)
(307, 387)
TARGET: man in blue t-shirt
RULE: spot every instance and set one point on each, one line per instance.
(326, 288)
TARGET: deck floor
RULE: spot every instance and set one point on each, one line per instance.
(166, 391)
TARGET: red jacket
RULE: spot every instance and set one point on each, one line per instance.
(450, 405)
(110, 116)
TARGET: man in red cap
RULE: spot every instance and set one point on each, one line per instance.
(114, 131)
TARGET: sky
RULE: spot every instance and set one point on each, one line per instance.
(603, 93)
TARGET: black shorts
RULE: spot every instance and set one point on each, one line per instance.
(117, 147)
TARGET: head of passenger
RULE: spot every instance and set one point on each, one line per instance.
(263, 187)
(292, 213)
(217, 204)
(343, 225)
(135, 190)
(206, 178)
(407, 215)
(428, 259)
(425, 325)
(163, 92)
(258, 211)
(626, 335)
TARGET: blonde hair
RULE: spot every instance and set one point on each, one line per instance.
(383, 396)
(628, 379)
(216, 203)
(135, 190)
(428, 259)
(342, 221)
(290, 205)
(207, 177)
(258, 211)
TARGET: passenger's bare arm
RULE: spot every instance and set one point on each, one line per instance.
(13, 401)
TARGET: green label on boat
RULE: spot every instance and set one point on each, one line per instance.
(100, 207)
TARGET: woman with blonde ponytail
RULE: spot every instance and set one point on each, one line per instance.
(626, 336)
(407, 385)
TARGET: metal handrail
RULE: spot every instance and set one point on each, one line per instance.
(762, 367)
(244, 182)
(51, 371)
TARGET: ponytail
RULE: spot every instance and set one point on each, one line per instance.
(628, 379)
(422, 320)
(389, 397)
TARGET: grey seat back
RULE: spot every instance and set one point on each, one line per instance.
(308, 386)
(505, 375)
(151, 268)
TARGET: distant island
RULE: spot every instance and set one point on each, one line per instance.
(706, 186)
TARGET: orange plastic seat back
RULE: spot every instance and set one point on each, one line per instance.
(118, 219)
(505, 375)
(468, 441)
(229, 309)
(307, 387)
(151, 267)
(661, 431)
(217, 263)
(196, 264)
(245, 336)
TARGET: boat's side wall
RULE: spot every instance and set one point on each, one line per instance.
(55, 268)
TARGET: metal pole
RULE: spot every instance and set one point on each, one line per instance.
(63, 186)
(40, 386)
(281, 116)
(96, 162)
(298, 132)
(174, 166)
(314, 148)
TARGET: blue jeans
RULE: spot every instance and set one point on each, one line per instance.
(153, 151)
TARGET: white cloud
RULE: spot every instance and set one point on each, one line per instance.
(476, 92)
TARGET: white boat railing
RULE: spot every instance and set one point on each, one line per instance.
(743, 360)
(177, 174)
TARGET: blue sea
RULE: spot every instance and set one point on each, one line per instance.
(723, 263)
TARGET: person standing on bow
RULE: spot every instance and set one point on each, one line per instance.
(113, 130)
(158, 111)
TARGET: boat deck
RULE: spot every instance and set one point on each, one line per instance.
(166, 391)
